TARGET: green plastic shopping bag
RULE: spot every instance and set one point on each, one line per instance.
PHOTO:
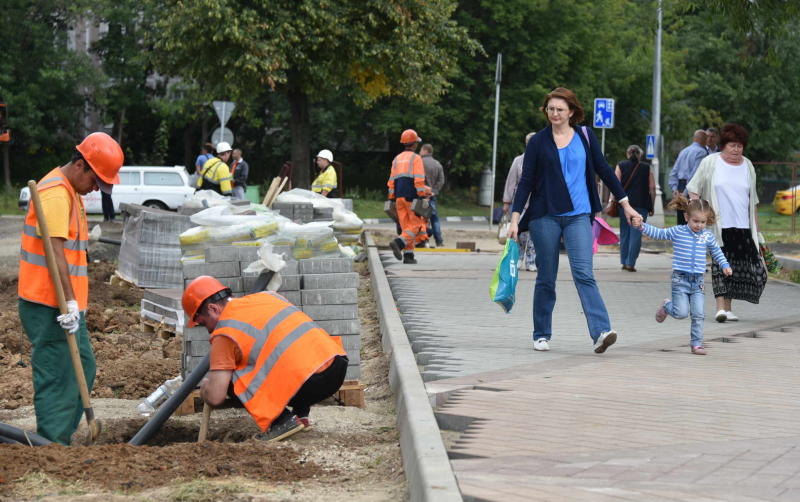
(504, 282)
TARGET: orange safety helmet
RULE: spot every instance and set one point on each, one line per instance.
(104, 156)
(409, 136)
(198, 291)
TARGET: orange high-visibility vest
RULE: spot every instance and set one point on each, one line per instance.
(407, 164)
(281, 348)
(35, 284)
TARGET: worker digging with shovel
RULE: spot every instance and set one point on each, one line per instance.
(54, 286)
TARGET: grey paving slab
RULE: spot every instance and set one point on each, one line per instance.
(645, 421)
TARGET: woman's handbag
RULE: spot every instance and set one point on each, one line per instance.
(612, 208)
(502, 229)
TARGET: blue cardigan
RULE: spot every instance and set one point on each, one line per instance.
(543, 180)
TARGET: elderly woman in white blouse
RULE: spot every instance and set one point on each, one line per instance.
(728, 181)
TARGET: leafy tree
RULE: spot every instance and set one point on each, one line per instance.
(43, 83)
(308, 49)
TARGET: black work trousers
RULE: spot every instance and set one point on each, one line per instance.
(319, 386)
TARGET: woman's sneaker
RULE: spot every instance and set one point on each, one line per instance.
(541, 344)
(604, 341)
(699, 350)
(730, 316)
(661, 313)
(721, 316)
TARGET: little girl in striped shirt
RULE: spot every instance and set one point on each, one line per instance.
(689, 244)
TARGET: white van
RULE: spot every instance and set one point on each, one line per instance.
(162, 187)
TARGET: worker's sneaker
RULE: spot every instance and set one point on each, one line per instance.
(408, 259)
(284, 426)
(721, 316)
(731, 316)
(661, 313)
(541, 344)
(604, 341)
(397, 246)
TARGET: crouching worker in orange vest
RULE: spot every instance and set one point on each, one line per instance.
(406, 183)
(267, 353)
(56, 397)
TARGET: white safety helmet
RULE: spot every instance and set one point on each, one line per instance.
(325, 154)
(223, 146)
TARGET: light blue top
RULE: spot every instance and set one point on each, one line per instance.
(686, 164)
(688, 248)
(573, 166)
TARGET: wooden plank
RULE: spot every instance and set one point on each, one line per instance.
(351, 393)
(277, 192)
(190, 404)
(272, 186)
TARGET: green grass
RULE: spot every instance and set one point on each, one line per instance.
(369, 204)
(8, 200)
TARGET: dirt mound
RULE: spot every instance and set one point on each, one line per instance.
(124, 467)
(131, 362)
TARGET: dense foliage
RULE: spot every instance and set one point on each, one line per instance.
(350, 75)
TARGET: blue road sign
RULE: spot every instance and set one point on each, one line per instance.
(604, 113)
(650, 149)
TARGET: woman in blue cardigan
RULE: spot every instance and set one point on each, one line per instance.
(558, 174)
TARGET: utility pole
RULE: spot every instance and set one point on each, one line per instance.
(497, 77)
(658, 217)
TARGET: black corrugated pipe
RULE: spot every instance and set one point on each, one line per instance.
(168, 408)
(22, 436)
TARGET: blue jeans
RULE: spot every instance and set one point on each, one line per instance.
(688, 298)
(577, 232)
(435, 229)
(630, 239)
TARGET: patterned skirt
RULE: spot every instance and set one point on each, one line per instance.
(749, 274)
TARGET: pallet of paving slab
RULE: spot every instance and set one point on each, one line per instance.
(161, 329)
(351, 393)
(192, 404)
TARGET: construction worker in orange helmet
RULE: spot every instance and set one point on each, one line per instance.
(265, 352)
(406, 183)
(95, 164)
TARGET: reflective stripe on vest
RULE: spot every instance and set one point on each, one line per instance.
(35, 284)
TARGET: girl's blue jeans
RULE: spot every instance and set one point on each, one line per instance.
(546, 233)
(688, 298)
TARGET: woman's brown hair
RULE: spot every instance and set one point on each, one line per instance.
(693, 206)
(571, 99)
(733, 133)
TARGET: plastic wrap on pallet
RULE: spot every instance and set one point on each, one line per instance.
(150, 250)
(344, 219)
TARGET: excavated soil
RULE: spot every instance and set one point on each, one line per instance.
(349, 452)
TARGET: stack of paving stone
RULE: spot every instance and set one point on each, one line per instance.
(163, 306)
(150, 251)
(298, 212)
(324, 288)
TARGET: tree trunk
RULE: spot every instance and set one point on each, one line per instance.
(120, 126)
(300, 127)
(190, 149)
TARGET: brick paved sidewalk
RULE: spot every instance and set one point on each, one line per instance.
(645, 421)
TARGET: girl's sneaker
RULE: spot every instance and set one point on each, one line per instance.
(661, 313)
(699, 350)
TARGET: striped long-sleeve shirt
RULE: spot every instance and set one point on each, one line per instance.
(688, 248)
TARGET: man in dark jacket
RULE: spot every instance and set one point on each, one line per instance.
(239, 171)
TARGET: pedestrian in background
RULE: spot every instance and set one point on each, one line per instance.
(240, 170)
(690, 243)
(728, 180)
(326, 182)
(558, 174)
(206, 153)
(512, 180)
(640, 185)
(685, 165)
(434, 178)
(406, 183)
(95, 165)
(712, 140)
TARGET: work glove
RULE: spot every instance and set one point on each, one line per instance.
(72, 319)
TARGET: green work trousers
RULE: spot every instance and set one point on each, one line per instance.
(56, 397)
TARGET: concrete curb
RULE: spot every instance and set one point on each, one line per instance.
(375, 221)
(429, 474)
